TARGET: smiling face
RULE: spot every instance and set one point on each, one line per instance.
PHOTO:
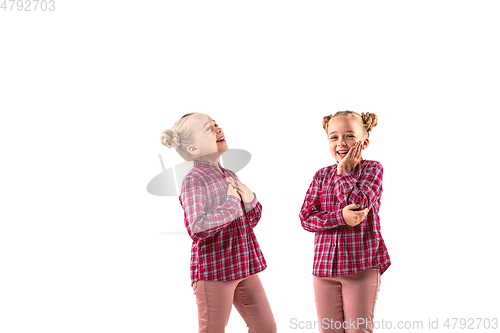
(209, 140)
(343, 133)
(220, 137)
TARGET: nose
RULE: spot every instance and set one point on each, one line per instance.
(341, 143)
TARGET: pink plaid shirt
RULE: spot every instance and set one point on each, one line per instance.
(224, 245)
(340, 249)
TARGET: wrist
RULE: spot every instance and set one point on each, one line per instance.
(251, 200)
(342, 214)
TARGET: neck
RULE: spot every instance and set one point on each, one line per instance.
(212, 159)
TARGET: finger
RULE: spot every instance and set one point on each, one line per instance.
(351, 151)
(358, 149)
(240, 187)
(348, 153)
(358, 154)
(360, 216)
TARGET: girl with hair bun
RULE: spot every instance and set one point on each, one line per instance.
(341, 207)
(220, 213)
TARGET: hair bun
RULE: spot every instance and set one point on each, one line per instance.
(170, 138)
(326, 119)
(369, 120)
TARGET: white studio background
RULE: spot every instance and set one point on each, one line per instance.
(87, 89)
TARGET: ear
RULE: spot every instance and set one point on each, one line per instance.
(193, 150)
(365, 143)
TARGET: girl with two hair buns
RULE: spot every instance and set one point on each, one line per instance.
(341, 207)
(220, 213)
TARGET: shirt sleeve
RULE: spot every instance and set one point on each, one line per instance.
(199, 222)
(312, 217)
(251, 205)
(253, 211)
(363, 191)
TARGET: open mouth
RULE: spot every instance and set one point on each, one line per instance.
(342, 153)
(221, 140)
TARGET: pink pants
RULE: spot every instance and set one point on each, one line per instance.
(215, 299)
(346, 303)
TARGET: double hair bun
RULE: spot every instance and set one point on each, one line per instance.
(369, 120)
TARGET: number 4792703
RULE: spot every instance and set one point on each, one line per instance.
(28, 5)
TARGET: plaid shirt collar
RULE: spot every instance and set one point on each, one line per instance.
(204, 164)
(360, 159)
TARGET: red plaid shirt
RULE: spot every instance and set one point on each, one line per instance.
(340, 249)
(224, 245)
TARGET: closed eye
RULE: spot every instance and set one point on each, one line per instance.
(334, 137)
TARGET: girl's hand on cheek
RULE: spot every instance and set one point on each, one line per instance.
(351, 159)
(243, 190)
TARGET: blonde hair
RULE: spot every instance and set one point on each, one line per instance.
(179, 136)
(366, 119)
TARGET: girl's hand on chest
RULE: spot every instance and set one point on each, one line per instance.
(231, 190)
(243, 190)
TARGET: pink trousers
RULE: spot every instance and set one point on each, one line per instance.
(347, 303)
(215, 299)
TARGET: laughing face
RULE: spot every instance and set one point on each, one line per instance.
(343, 133)
(209, 140)
(220, 138)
